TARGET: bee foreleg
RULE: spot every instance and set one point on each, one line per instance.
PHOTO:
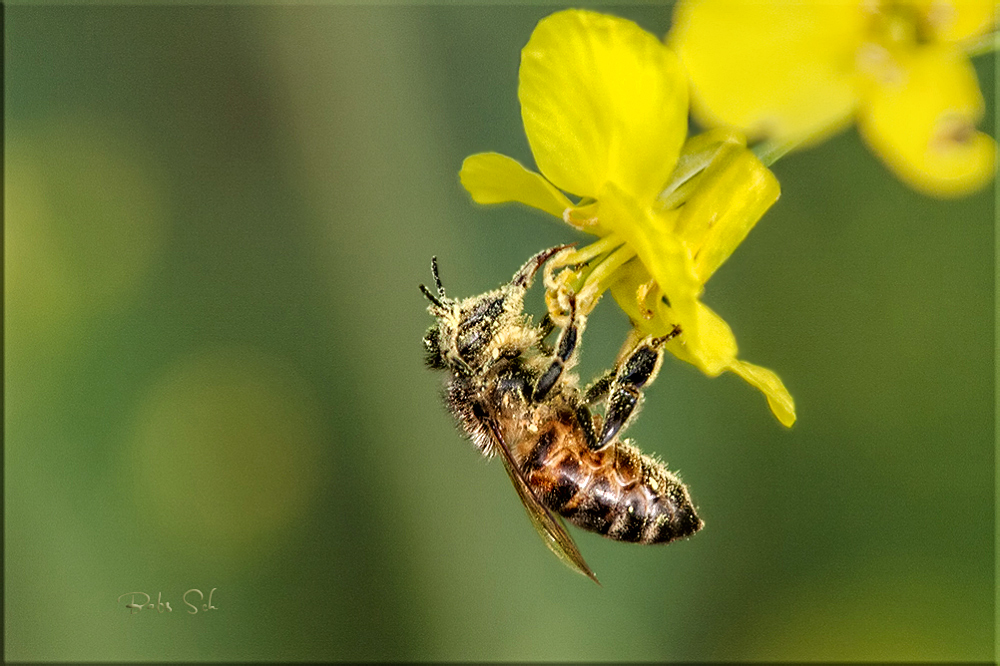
(545, 328)
(564, 352)
(638, 370)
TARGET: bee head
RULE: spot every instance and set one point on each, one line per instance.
(467, 333)
(462, 335)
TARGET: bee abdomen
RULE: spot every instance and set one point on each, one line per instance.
(617, 492)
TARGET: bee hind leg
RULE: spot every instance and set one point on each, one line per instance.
(565, 347)
(586, 421)
(625, 390)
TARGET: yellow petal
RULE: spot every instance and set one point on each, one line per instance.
(922, 121)
(602, 100)
(778, 398)
(661, 253)
(730, 196)
(494, 178)
(627, 289)
(706, 341)
(714, 350)
(697, 153)
(956, 20)
(778, 69)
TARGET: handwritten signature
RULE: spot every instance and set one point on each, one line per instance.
(140, 601)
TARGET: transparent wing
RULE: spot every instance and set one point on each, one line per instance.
(549, 527)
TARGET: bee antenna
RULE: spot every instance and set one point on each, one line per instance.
(437, 277)
(431, 297)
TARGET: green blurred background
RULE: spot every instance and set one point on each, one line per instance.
(216, 221)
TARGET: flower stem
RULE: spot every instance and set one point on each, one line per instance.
(988, 43)
(600, 278)
(771, 150)
(595, 249)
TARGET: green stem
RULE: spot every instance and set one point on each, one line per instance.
(771, 150)
(988, 43)
(595, 249)
(599, 278)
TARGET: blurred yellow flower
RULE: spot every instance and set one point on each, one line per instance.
(795, 71)
(604, 106)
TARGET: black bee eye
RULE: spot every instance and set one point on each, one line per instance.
(432, 349)
(470, 341)
(488, 310)
(476, 328)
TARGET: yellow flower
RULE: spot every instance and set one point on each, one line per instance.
(605, 106)
(795, 71)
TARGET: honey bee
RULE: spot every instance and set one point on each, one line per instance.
(515, 398)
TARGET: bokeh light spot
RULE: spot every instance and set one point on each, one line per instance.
(226, 452)
(85, 217)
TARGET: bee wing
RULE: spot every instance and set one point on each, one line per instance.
(548, 526)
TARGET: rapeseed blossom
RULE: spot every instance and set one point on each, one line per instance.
(794, 72)
(605, 105)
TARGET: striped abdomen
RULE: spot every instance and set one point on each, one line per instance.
(617, 491)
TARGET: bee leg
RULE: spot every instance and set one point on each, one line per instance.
(638, 370)
(586, 421)
(545, 328)
(564, 351)
(599, 389)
